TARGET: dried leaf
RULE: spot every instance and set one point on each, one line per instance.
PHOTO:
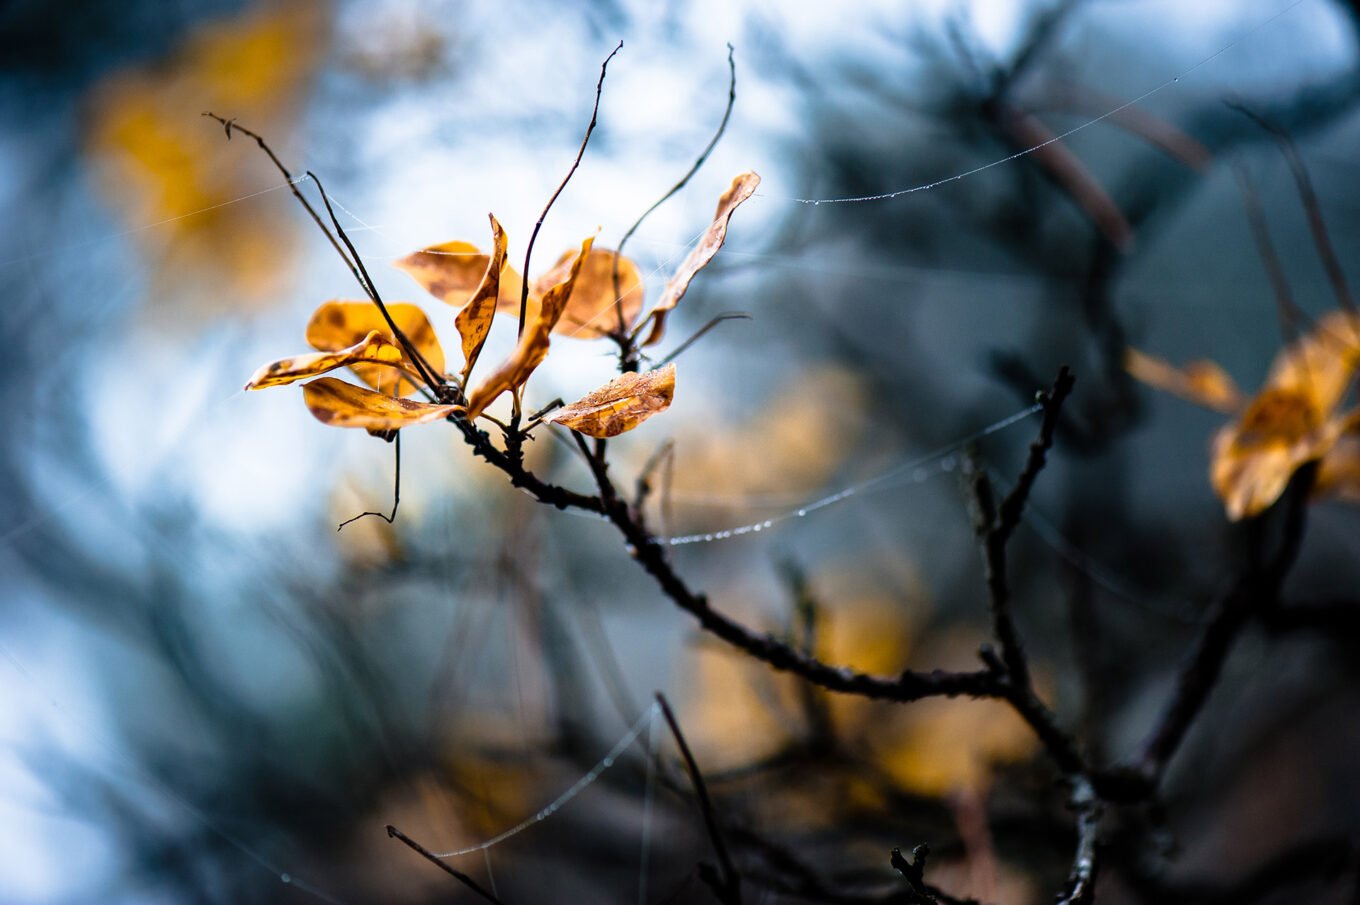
(373, 348)
(1322, 362)
(453, 271)
(591, 313)
(533, 342)
(743, 186)
(1202, 382)
(338, 325)
(620, 405)
(474, 321)
(341, 404)
(1339, 471)
(1254, 457)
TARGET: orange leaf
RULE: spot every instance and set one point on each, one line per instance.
(591, 313)
(533, 342)
(1201, 382)
(620, 405)
(1254, 457)
(338, 325)
(1321, 362)
(743, 186)
(474, 321)
(1339, 471)
(453, 271)
(373, 348)
(341, 404)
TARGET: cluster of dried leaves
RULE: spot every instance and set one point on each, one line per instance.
(1297, 418)
(587, 294)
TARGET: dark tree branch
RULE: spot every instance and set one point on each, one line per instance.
(728, 886)
(1081, 882)
(1256, 591)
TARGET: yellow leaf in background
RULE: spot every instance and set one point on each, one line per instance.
(373, 348)
(1292, 421)
(1254, 457)
(157, 160)
(940, 746)
(533, 342)
(341, 404)
(743, 186)
(1339, 471)
(620, 405)
(1321, 363)
(338, 325)
(780, 456)
(1202, 382)
(474, 321)
(591, 312)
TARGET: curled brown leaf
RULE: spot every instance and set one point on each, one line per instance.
(338, 325)
(374, 350)
(620, 405)
(341, 404)
(474, 321)
(533, 342)
(742, 187)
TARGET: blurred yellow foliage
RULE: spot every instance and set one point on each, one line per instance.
(783, 451)
(1296, 418)
(940, 746)
(157, 158)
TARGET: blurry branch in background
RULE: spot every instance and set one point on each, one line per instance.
(1308, 196)
(726, 885)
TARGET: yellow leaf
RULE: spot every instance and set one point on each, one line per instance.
(742, 188)
(1202, 382)
(338, 325)
(474, 321)
(159, 162)
(453, 271)
(1322, 362)
(591, 312)
(1254, 457)
(374, 348)
(533, 342)
(1339, 471)
(620, 405)
(341, 404)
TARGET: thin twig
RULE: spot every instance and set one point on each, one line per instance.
(1081, 882)
(1255, 591)
(914, 872)
(430, 856)
(996, 524)
(729, 888)
(1290, 314)
(699, 334)
(529, 251)
(396, 491)
(230, 126)
(428, 372)
(684, 180)
(1308, 196)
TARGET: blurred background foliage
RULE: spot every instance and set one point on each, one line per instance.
(210, 695)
